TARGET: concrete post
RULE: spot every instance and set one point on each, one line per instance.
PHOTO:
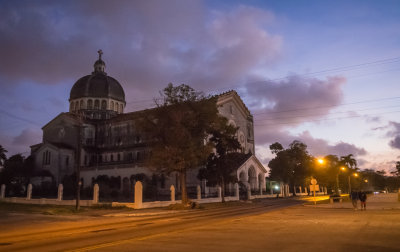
(3, 191)
(96, 193)
(172, 189)
(300, 190)
(326, 190)
(398, 193)
(305, 190)
(198, 192)
(271, 190)
(261, 187)
(29, 192)
(237, 190)
(60, 192)
(219, 192)
(138, 195)
(248, 192)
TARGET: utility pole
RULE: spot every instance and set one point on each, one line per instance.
(78, 162)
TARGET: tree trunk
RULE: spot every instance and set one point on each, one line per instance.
(223, 189)
(183, 187)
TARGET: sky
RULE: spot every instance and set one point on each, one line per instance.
(323, 72)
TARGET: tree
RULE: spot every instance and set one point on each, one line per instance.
(349, 161)
(3, 156)
(16, 173)
(221, 165)
(292, 165)
(177, 131)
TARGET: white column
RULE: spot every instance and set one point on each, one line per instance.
(198, 192)
(29, 192)
(3, 191)
(138, 195)
(60, 192)
(96, 194)
(172, 189)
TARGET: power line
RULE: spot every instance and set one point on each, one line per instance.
(326, 119)
(329, 106)
(339, 112)
(19, 118)
(268, 82)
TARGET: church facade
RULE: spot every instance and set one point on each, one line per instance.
(98, 134)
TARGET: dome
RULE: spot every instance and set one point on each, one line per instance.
(98, 85)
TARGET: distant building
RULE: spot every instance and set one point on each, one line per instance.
(110, 142)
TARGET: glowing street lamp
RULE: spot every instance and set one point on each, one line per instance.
(320, 161)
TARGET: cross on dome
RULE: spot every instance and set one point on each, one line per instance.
(100, 52)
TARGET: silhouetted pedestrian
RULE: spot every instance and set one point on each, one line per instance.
(354, 197)
(363, 200)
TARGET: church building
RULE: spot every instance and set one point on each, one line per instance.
(106, 138)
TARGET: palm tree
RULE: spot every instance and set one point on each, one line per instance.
(349, 161)
(3, 156)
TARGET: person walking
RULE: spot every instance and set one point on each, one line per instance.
(354, 197)
(363, 200)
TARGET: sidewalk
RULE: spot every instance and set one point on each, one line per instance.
(387, 201)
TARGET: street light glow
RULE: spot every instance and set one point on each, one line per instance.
(355, 174)
(321, 161)
(343, 168)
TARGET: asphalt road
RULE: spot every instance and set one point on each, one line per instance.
(268, 225)
(118, 232)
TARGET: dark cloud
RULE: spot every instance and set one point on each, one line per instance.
(394, 132)
(28, 137)
(294, 100)
(49, 42)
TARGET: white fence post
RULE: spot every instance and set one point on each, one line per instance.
(29, 192)
(219, 192)
(138, 195)
(237, 191)
(96, 193)
(3, 191)
(172, 189)
(198, 192)
(248, 192)
(60, 192)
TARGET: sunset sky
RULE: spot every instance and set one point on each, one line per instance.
(323, 72)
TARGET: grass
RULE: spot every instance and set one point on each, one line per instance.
(55, 209)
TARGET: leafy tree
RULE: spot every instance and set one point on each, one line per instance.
(222, 164)
(292, 165)
(349, 161)
(177, 131)
(3, 156)
(17, 172)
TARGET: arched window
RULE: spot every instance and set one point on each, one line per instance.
(103, 105)
(121, 108)
(116, 107)
(96, 104)
(81, 104)
(71, 107)
(112, 105)
(112, 157)
(76, 106)
(90, 104)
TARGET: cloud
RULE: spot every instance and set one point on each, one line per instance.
(294, 100)
(27, 137)
(395, 134)
(185, 43)
(20, 143)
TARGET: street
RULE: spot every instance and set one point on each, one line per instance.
(273, 225)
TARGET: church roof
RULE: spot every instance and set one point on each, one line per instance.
(97, 85)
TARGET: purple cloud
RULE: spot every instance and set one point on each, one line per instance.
(395, 134)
